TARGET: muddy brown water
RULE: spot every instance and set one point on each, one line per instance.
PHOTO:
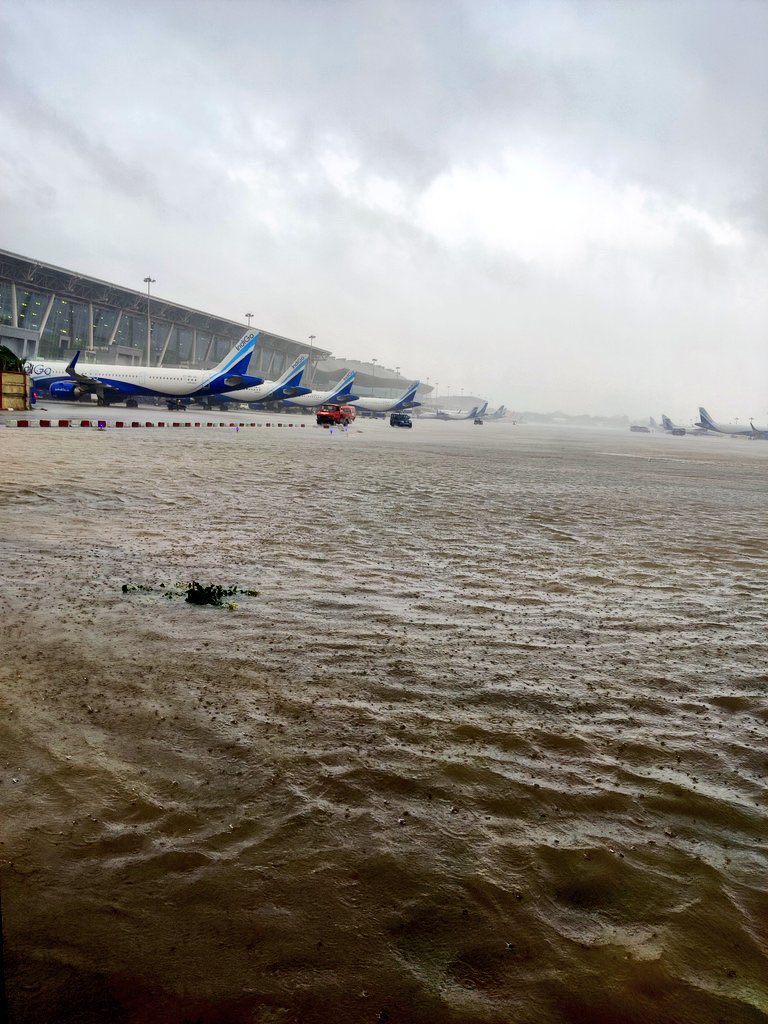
(489, 746)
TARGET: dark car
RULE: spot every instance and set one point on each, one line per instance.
(400, 419)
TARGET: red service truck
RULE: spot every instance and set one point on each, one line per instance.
(335, 415)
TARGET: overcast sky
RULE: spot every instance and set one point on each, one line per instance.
(558, 205)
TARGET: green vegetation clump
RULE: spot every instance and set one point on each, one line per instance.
(9, 361)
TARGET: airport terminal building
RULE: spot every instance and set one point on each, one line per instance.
(52, 312)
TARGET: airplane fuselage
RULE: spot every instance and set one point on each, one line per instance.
(133, 380)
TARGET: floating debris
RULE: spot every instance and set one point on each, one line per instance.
(195, 592)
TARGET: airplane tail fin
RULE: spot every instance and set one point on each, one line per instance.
(233, 368)
(407, 400)
(344, 388)
(666, 422)
(289, 385)
(482, 410)
(705, 419)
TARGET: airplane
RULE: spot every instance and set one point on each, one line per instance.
(497, 414)
(405, 401)
(707, 423)
(476, 412)
(339, 393)
(673, 428)
(111, 383)
(287, 386)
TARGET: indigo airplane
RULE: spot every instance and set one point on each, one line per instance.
(339, 394)
(287, 386)
(406, 401)
(497, 414)
(113, 383)
(674, 428)
(707, 423)
(475, 413)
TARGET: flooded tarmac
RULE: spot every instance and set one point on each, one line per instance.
(489, 746)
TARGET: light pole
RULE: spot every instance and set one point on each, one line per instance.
(249, 317)
(309, 362)
(397, 370)
(374, 361)
(148, 281)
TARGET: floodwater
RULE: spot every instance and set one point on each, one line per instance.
(489, 746)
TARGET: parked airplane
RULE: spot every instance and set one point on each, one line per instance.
(670, 427)
(707, 423)
(476, 412)
(113, 383)
(405, 401)
(287, 386)
(497, 414)
(341, 392)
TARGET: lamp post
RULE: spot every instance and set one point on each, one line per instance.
(149, 281)
(311, 374)
(249, 317)
(397, 370)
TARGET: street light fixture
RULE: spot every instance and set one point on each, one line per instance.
(148, 281)
(249, 317)
(309, 362)
(374, 361)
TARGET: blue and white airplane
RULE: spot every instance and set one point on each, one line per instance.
(113, 383)
(339, 394)
(707, 422)
(475, 413)
(287, 386)
(406, 401)
(497, 414)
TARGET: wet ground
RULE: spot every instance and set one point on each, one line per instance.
(489, 746)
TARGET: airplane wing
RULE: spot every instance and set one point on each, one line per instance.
(86, 383)
(81, 378)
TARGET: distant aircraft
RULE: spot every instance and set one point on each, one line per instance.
(113, 383)
(287, 386)
(406, 401)
(341, 392)
(476, 412)
(707, 423)
(497, 414)
(670, 427)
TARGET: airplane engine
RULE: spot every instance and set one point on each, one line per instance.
(67, 389)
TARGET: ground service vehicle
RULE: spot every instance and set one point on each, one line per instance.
(400, 419)
(331, 415)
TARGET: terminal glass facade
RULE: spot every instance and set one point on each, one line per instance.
(6, 315)
(59, 311)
